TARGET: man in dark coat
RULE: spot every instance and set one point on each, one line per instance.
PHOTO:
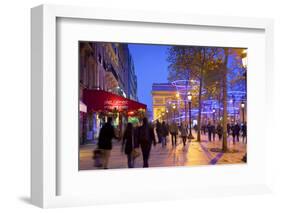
(165, 133)
(105, 140)
(129, 144)
(228, 128)
(237, 131)
(173, 128)
(219, 131)
(210, 130)
(214, 131)
(146, 138)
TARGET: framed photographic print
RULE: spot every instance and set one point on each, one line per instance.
(149, 106)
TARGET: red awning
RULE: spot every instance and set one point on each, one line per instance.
(99, 100)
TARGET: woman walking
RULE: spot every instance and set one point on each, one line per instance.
(165, 131)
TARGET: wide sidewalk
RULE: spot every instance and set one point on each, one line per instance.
(194, 153)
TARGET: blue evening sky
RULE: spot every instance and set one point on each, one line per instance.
(151, 66)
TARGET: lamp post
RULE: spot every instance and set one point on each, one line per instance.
(189, 98)
(167, 116)
(178, 105)
(214, 113)
(243, 111)
(174, 110)
(233, 106)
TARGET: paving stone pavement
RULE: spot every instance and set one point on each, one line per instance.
(192, 154)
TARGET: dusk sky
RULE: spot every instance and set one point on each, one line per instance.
(151, 66)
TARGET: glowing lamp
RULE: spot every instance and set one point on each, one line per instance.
(189, 97)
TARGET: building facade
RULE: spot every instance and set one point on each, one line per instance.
(108, 67)
(132, 78)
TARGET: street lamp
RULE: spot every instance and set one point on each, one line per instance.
(243, 111)
(178, 104)
(214, 112)
(189, 98)
(174, 110)
(167, 116)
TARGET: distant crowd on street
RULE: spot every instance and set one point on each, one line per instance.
(138, 139)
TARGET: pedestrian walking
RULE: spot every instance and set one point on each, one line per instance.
(159, 131)
(237, 129)
(214, 132)
(196, 128)
(232, 127)
(146, 138)
(183, 131)
(105, 141)
(174, 132)
(209, 130)
(130, 144)
(219, 131)
(203, 128)
(228, 128)
(165, 133)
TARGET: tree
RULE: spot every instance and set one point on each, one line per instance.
(224, 89)
(233, 76)
(193, 63)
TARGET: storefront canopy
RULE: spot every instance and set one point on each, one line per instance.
(99, 100)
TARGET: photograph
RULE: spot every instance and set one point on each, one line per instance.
(155, 105)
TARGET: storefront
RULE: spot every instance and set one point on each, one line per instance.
(101, 105)
(82, 123)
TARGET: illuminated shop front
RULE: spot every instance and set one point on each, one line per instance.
(102, 104)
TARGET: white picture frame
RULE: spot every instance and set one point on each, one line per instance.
(44, 149)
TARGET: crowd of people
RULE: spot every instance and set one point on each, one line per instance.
(138, 139)
(235, 130)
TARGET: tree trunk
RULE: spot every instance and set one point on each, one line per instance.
(200, 98)
(199, 108)
(224, 88)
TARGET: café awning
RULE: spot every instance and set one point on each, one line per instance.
(100, 100)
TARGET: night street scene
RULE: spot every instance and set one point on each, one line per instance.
(149, 105)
